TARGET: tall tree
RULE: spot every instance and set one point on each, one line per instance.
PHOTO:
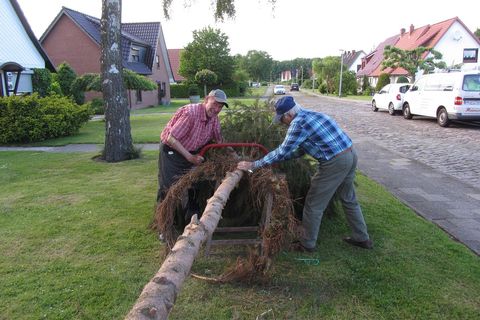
(118, 137)
(426, 59)
(208, 50)
(326, 69)
(258, 64)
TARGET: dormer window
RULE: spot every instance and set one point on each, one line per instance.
(135, 54)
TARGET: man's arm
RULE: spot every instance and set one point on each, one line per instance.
(175, 144)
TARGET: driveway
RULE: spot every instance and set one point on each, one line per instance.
(431, 169)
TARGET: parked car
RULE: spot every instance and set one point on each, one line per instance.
(390, 97)
(294, 87)
(445, 96)
(279, 89)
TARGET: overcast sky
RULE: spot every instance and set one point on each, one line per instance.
(294, 28)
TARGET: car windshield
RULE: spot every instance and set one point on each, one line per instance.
(471, 82)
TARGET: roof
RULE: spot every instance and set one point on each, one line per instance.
(426, 36)
(48, 64)
(349, 57)
(146, 34)
(174, 57)
(375, 58)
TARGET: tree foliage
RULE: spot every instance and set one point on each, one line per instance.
(383, 80)
(205, 77)
(426, 59)
(208, 50)
(131, 81)
(259, 65)
(326, 69)
(477, 32)
(65, 77)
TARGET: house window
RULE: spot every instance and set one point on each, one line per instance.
(135, 54)
(157, 60)
(138, 95)
(470, 55)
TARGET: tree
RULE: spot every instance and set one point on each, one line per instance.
(383, 80)
(208, 50)
(422, 58)
(205, 77)
(41, 81)
(259, 65)
(118, 137)
(477, 32)
(326, 69)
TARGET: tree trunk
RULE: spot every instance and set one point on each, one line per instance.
(118, 138)
(159, 295)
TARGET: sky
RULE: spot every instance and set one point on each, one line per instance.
(291, 29)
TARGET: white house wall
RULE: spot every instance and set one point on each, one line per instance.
(453, 42)
(15, 45)
(357, 62)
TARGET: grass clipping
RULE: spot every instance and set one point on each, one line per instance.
(245, 205)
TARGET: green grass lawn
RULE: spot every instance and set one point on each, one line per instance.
(75, 244)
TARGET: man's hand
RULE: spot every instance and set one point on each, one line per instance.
(195, 159)
(245, 166)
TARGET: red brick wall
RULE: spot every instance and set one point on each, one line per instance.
(67, 42)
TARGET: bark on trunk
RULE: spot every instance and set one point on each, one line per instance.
(118, 138)
(159, 295)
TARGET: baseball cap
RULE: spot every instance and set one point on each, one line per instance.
(219, 96)
(283, 105)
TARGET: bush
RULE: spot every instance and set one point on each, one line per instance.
(97, 106)
(32, 118)
(193, 90)
(179, 90)
(383, 80)
(65, 77)
(403, 79)
(41, 81)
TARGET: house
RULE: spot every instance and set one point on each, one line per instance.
(286, 75)
(174, 58)
(74, 37)
(20, 51)
(457, 44)
(352, 60)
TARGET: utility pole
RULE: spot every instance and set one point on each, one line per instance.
(341, 72)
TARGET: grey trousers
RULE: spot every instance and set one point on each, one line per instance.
(336, 174)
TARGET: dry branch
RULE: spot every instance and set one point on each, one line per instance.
(159, 295)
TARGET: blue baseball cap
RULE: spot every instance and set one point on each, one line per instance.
(283, 105)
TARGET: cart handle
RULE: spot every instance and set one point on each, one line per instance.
(232, 144)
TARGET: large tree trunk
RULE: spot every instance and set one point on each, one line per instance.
(118, 138)
(159, 295)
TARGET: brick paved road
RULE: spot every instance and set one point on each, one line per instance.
(454, 150)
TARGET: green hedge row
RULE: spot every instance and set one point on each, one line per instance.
(31, 118)
(180, 91)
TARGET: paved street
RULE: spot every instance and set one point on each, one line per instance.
(431, 169)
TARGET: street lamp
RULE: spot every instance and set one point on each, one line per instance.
(341, 72)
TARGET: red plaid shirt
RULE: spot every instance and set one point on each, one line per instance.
(191, 127)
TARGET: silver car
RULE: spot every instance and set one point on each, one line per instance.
(279, 89)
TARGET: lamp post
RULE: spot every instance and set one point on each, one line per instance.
(341, 72)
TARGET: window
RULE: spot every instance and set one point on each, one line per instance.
(470, 55)
(138, 95)
(135, 54)
(157, 60)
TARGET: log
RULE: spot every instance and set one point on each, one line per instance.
(160, 293)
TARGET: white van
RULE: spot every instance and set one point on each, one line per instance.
(445, 96)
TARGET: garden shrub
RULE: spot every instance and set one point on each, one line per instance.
(403, 79)
(383, 80)
(65, 77)
(179, 90)
(33, 118)
(97, 106)
(41, 81)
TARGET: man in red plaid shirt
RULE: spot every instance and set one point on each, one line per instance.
(191, 127)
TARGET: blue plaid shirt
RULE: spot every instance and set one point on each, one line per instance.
(309, 132)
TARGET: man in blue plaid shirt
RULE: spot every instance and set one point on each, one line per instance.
(319, 136)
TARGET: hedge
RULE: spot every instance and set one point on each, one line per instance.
(31, 118)
(181, 90)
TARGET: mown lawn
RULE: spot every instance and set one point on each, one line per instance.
(75, 244)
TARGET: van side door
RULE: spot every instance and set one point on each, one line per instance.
(415, 95)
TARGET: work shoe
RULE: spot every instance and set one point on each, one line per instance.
(299, 247)
(367, 244)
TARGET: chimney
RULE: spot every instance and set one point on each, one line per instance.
(402, 32)
(411, 28)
